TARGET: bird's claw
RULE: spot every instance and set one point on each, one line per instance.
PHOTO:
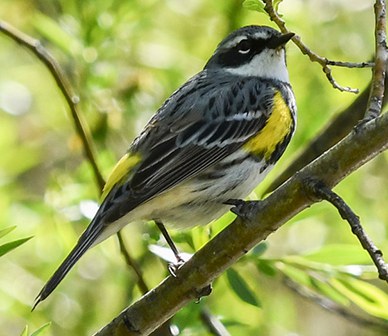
(243, 209)
(174, 267)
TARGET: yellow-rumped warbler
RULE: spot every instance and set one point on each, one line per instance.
(213, 140)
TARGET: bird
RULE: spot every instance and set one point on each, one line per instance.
(213, 140)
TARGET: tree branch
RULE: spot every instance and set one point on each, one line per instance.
(71, 99)
(234, 241)
(314, 57)
(214, 326)
(340, 126)
(131, 263)
(321, 191)
(334, 307)
(381, 57)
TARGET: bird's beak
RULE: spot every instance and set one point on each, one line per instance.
(279, 41)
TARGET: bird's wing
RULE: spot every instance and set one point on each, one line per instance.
(201, 124)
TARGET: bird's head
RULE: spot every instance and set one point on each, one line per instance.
(252, 51)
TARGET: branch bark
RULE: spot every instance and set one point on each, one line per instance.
(354, 221)
(381, 55)
(264, 217)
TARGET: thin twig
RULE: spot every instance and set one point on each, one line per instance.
(350, 64)
(314, 57)
(323, 192)
(165, 328)
(72, 100)
(213, 324)
(334, 307)
(132, 264)
(379, 71)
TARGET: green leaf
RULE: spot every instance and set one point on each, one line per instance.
(36, 332)
(51, 30)
(222, 222)
(199, 237)
(325, 289)
(7, 230)
(259, 249)
(276, 4)
(295, 274)
(366, 296)
(240, 287)
(39, 331)
(5, 248)
(266, 267)
(25, 331)
(339, 255)
(255, 5)
(233, 323)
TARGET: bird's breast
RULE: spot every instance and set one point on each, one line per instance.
(278, 127)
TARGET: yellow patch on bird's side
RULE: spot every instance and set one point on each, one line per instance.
(122, 168)
(275, 130)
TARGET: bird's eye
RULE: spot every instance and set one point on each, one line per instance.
(244, 47)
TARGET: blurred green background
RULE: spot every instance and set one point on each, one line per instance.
(123, 58)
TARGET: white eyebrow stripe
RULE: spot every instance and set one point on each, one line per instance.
(232, 43)
(261, 35)
(235, 41)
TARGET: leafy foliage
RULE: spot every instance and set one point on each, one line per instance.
(241, 288)
(37, 332)
(9, 246)
(123, 59)
(255, 5)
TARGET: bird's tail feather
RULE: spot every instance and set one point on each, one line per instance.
(87, 239)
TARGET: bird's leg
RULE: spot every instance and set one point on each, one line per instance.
(172, 267)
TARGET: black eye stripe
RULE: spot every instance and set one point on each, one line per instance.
(255, 45)
(239, 54)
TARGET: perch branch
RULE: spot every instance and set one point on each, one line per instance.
(235, 240)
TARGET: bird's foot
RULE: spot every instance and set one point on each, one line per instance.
(174, 267)
(243, 209)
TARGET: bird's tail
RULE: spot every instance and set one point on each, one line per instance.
(87, 239)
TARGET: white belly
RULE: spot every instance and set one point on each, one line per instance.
(196, 202)
(200, 202)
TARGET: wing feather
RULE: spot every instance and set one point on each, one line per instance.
(188, 135)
